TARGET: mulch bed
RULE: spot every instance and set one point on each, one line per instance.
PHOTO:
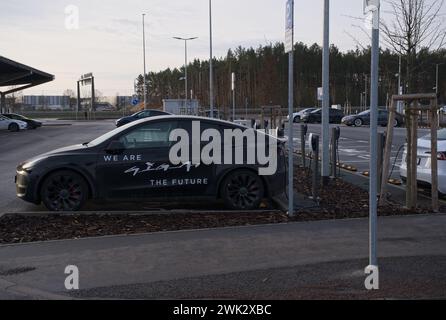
(339, 200)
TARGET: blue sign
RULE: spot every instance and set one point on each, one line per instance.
(289, 15)
(135, 101)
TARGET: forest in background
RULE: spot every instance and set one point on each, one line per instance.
(262, 77)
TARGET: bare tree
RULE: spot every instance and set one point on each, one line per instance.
(413, 25)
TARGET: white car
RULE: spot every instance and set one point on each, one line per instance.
(12, 125)
(424, 161)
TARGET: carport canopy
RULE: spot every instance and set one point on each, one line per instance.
(20, 77)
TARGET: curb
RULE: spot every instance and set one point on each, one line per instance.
(132, 213)
(30, 293)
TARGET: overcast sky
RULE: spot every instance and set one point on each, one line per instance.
(109, 39)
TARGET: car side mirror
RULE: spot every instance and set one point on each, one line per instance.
(115, 147)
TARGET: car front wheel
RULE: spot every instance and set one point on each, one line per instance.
(14, 127)
(64, 191)
(358, 123)
(243, 190)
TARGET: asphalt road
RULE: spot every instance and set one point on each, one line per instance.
(323, 259)
(20, 146)
(354, 144)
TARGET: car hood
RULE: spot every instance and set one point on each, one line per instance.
(19, 122)
(128, 118)
(65, 151)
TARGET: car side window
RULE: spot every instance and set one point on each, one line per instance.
(152, 135)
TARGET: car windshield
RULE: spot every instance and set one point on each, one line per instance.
(364, 113)
(106, 137)
(441, 135)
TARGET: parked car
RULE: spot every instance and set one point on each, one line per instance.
(424, 161)
(363, 118)
(140, 115)
(316, 116)
(12, 125)
(297, 116)
(133, 163)
(32, 124)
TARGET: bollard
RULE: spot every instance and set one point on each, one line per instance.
(381, 147)
(314, 142)
(303, 135)
(335, 135)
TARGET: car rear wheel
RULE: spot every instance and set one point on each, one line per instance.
(358, 123)
(243, 190)
(396, 123)
(64, 191)
(296, 119)
(14, 127)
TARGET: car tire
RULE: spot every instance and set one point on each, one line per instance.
(296, 119)
(242, 190)
(14, 127)
(358, 122)
(396, 123)
(64, 191)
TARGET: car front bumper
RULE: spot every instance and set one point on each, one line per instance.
(424, 174)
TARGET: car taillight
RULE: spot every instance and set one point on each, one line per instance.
(441, 156)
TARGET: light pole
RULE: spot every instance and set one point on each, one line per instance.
(326, 96)
(144, 59)
(436, 77)
(211, 71)
(185, 63)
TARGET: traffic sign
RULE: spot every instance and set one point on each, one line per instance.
(135, 101)
(289, 28)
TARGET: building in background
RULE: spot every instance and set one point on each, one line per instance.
(123, 102)
(181, 107)
(53, 103)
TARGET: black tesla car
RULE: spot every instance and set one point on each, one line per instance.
(363, 118)
(133, 163)
(32, 124)
(316, 116)
(140, 115)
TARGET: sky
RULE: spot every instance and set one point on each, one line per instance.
(108, 40)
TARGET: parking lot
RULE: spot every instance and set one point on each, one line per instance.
(20, 146)
(354, 144)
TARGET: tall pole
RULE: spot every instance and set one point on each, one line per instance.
(290, 49)
(400, 91)
(374, 136)
(186, 94)
(233, 96)
(326, 96)
(211, 69)
(144, 59)
(185, 71)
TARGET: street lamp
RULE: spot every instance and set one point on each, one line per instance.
(436, 77)
(211, 69)
(185, 62)
(144, 58)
